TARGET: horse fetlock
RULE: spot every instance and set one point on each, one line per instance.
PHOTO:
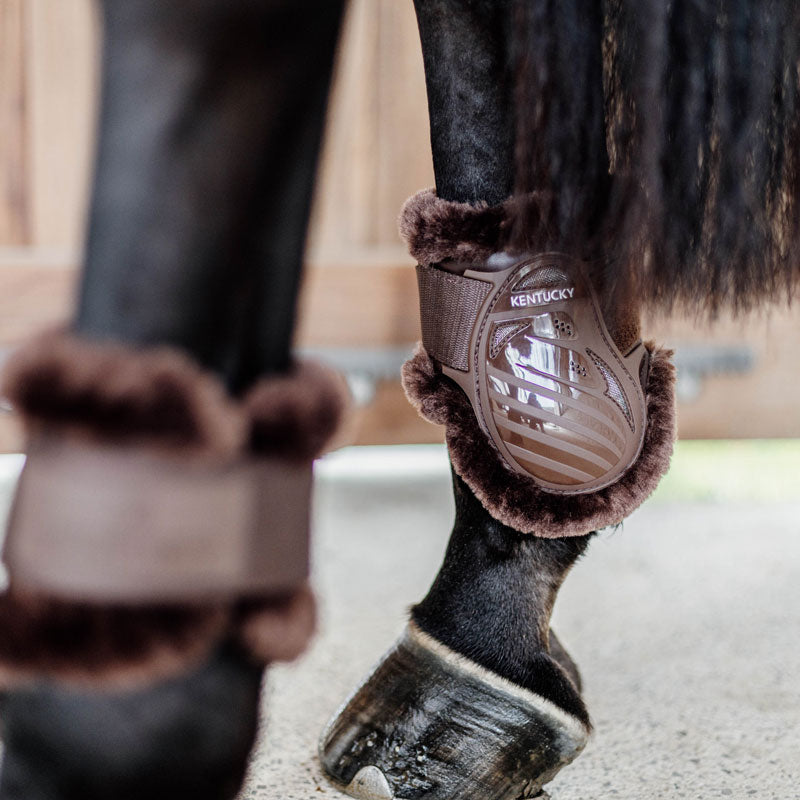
(565, 661)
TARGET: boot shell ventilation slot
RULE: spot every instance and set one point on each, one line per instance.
(614, 391)
(503, 333)
(544, 278)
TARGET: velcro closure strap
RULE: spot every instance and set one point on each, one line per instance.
(449, 306)
(123, 524)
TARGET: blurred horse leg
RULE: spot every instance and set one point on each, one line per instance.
(210, 125)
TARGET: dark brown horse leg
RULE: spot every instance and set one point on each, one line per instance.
(465, 49)
(211, 118)
(477, 699)
(493, 598)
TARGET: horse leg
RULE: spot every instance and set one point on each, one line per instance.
(429, 720)
(210, 127)
(436, 719)
(210, 124)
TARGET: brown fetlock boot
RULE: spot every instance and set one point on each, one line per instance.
(157, 554)
(557, 416)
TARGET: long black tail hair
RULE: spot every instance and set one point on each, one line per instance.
(663, 135)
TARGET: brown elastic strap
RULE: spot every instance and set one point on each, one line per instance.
(449, 305)
(121, 524)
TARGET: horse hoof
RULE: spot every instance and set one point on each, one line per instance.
(430, 724)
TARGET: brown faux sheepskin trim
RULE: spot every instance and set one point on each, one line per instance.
(101, 645)
(116, 647)
(516, 500)
(160, 398)
(111, 392)
(438, 230)
(296, 415)
(278, 629)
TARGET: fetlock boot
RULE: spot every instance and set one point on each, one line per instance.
(157, 554)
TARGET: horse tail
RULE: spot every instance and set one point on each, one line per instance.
(662, 139)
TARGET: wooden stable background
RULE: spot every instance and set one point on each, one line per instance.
(376, 154)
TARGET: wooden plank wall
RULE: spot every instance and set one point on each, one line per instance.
(47, 80)
(377, 149)
(14, 223)
(359, 289)
(60, 86)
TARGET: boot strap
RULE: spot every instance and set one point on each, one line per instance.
(111, 523)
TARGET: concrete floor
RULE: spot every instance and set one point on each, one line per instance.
(686, 625)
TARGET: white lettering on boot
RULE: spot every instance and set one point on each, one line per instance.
(541, 297)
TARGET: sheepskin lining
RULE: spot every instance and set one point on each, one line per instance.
(124, 647)
(109, 392)
(516, 500)
(161, 399)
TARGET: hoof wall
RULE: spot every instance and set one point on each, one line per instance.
(428, 724)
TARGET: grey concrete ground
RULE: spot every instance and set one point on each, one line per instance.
(686, 625)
